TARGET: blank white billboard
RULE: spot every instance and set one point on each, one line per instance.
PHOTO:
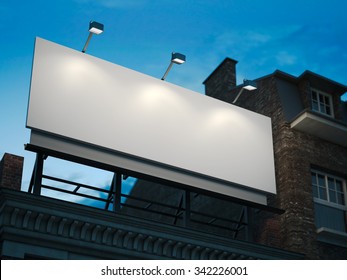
(205, 142)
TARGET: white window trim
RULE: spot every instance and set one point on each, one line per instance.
(330, 103)
(328, 202)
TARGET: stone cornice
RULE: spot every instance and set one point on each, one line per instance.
(106, 235)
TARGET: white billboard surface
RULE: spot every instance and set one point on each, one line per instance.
(104, 105)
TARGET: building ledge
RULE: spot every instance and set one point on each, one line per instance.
(51, 228)
(332, 236)
(321, 126)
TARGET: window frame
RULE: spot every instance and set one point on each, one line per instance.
(329, 104)
(327, 201)
(324, 228)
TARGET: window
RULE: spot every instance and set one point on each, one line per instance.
(322, 102)
(329, 193)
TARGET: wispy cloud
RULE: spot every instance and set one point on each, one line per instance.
(115, 4)
(127, 185)
(77, 174)
(291, 48)
(243, 41)
(259, 50)
(284, 58)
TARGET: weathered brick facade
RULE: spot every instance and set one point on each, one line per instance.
(295, 154)
(221, 80)
(11, 169)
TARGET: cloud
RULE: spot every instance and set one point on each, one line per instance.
(259, 50)
(80, 174)
(245, 41)
(115, 4)
(284, 58)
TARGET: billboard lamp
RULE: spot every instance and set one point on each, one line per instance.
(176, 58)
(248, 85)
(94, 28)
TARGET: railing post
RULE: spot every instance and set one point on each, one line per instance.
(179, 210)
(117, 192)
(249, 221)
(187, 205)
(38, 170)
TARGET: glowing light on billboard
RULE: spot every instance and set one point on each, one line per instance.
(155, 127)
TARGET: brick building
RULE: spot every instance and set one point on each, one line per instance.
(310, 147)
(309, 123)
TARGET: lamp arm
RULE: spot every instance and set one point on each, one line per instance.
(167, 71)
(87, 43)
(237, 97)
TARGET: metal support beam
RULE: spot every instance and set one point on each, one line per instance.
(31, 184)
(179, 209)
(110, 194)
(187, 208)
(147, 177)
(238, 226)
(117, 191)
(249, 220)
(38, 170)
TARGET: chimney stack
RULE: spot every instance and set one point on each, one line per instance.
(222, 79)
(11, 169)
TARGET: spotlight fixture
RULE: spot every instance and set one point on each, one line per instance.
(94, 28)
(176, 58)
(248, 85)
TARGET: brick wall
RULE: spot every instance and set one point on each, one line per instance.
(305, 90)
(295, 153)
(222, 79)
(11, 169)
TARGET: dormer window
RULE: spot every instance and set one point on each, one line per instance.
(322, 102)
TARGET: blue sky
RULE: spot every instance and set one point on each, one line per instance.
(292, 36)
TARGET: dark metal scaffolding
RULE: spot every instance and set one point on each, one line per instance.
(114, 200)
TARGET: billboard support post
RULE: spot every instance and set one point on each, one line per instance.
(187, 208)
(38, 170)
(249, 220)
(117, 191)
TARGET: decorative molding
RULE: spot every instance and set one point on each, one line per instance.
(116, 236)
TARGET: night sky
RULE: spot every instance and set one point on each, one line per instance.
(292, 36)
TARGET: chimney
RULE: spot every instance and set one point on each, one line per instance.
(11, 169)
(222, 79)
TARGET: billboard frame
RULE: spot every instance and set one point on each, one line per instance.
(245, 172)
(42, 153)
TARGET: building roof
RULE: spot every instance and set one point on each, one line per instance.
(315, 80)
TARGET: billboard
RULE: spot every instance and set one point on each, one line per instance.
(83, 105)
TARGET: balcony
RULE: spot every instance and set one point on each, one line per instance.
(331, 236)
(321, 126)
